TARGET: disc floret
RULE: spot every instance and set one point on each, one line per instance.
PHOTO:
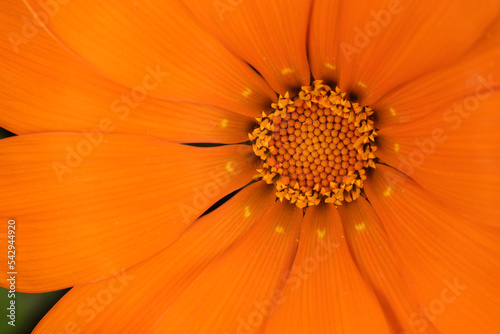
(315, 146)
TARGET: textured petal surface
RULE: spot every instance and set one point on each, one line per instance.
(325, 292)
(78, 206)
(45, 88)
(453, 153)
(236, 291)
(372, 252)
(269, 35)
(151, 287)
(384, 44)
(164, 40)
(475, 74)
(324, 57)
(451, 266)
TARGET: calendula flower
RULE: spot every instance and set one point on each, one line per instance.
(347, 182)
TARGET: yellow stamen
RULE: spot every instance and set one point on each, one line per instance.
(315, 146)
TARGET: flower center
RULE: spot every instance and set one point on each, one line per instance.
(315, 146)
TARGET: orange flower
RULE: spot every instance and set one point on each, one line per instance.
(386, 169)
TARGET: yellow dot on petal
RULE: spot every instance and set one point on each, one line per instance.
(396, 147)
(279, 229)
(362, 84)
(247, 92)
(388, 191)
(360, 226)
(229, 167)
(393, 112)
(287, 70)
(224, 122)
(247, 212)
(321, 233)
(330, 66)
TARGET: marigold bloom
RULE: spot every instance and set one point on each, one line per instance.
(374, 124)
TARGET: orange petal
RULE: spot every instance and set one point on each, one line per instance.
(78, 203)
(384, 44)
(47, 90)
(231, 294)
(126, 41)
(451, 267)
(270, 36)
(144, 292)
(324, 56)
(372, 252)
(324, 292)
(453, 153)
(475, 74)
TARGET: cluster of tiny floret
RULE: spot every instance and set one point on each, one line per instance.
(315, 146)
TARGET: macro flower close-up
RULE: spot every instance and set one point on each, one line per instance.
(251, 166)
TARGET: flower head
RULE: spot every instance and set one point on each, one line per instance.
(315, 146)
(285, 166)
